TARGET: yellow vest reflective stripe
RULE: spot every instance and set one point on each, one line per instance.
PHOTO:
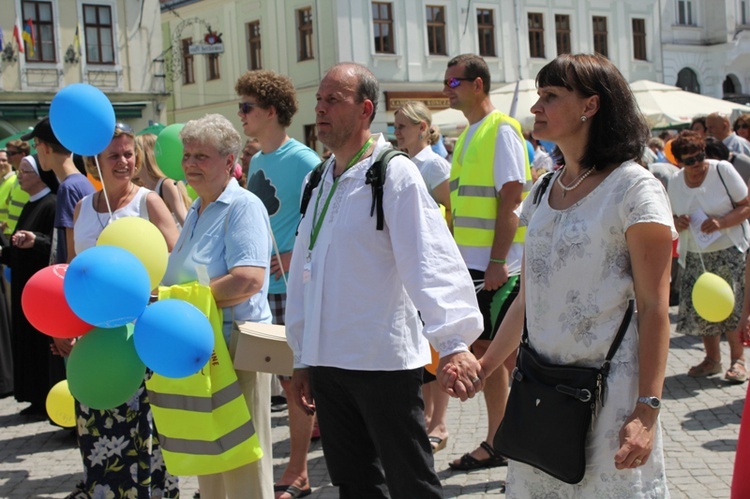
(473, 196)
(203, 421)
(16, 201)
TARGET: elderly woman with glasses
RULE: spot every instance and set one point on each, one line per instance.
(115, 444)
(710, 207)
(226, 236)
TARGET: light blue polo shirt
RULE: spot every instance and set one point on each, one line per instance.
(231, 232)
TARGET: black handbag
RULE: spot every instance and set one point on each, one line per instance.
(551, 409)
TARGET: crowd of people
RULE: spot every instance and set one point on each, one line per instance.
(457, 249)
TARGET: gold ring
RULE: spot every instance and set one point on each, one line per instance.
(638, 462)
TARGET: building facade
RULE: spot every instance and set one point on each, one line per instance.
(110, 44)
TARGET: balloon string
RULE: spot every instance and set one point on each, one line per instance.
(700, 255)
(104, 189)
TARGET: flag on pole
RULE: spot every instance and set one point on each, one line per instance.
(77, 41)
(17, 35)
(28, 36)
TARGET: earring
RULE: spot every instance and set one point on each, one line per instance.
(584, 118)
(421, 136)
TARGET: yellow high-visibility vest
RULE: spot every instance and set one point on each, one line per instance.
(474, 199)
(17, 199)
(203, 421)
(5, 187)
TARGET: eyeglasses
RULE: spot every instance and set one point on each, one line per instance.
(13, 153)
(124, 128)
(693, 160)
(246, 107)
(454, 82)
(744, 126)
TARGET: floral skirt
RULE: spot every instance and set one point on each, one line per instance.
(729, 264)
(120, 452)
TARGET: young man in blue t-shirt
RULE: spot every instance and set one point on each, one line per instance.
(276, 174)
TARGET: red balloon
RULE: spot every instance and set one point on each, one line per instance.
(44, 304)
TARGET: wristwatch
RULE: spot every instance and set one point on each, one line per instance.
(652, 402)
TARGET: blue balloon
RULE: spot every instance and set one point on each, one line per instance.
(107, 286)
(82, 118)
(173, 338)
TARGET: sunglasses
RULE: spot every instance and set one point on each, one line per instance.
(246, 107)
(455, 82)
(692, 160)
(744, 126)
(13, 153)
(124, 128)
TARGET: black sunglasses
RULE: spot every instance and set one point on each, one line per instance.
(454, 82)
(124, 128)
(246, 107)
(692, 160)
(13, 153)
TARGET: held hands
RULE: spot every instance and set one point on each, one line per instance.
(460, 375)
(62, 346)
(23, 239)
(636, 438)
(301, 391)
(495, 276)
(279, 267)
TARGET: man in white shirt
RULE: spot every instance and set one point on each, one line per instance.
(354, 291)
(718, 126)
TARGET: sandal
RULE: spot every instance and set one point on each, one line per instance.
(469, 462)
(707, 367)
(736, 373)
(437, 443)
(293, 490)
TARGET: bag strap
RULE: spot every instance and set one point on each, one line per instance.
(312, 182)
(375, 177)
(718, 170)
(542, 187)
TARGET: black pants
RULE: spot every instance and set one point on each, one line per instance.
(374, 438)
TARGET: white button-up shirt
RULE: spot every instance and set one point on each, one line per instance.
(352, 301)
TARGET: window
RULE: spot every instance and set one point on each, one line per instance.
(305, 34)
(685, 12)
(188, 71)
(743, 12)
(311, 137)
(562, 33)
(40, 42)
(536, 35)
(97, 28)
(486, 31)
(600, 35)
(639, 39)
(212, 60)
(382, 24)
(436, 30)
(688, 80)
(254, 47)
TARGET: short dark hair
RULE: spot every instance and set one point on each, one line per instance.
(474, 67)
(367, 85)
(618, 130)
(687, 142)
(716, 149)
(270, 89)
(699, 119)
(743, 119)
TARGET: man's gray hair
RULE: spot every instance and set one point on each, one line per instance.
(213, 130)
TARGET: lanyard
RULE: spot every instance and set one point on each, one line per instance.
(317, 223)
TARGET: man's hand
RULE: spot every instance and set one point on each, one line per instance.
(495, 276)
(62, 346)
(301, 391)
(279, 267)
(460, 375)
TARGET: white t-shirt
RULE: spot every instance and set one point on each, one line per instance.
(509, 165)
(434, 168)
(90, 223)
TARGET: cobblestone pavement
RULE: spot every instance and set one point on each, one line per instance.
(700, 422)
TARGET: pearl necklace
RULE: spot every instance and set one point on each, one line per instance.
(576, 182)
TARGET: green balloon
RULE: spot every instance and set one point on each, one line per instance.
(168, 151)
(104, 370)
(191, 192)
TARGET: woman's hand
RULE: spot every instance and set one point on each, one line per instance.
(23, 239)
(636, 438)
(681, 222)
(711, 224)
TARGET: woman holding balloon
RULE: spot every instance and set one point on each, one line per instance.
(226, 241)
(710, 207)
(115, 443)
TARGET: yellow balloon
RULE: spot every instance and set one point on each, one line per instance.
(713, 297)
(61, 405)
(141, 238)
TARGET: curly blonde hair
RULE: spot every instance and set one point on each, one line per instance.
(270, 89)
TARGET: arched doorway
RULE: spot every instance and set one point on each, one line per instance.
(731, 85)
(688, 80)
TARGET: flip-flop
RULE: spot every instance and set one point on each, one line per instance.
(292, 490)
(437, 443)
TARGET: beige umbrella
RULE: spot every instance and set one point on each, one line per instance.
(452, 122)
(666, 106)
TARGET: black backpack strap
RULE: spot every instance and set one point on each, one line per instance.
(375, 176)
(312, 182)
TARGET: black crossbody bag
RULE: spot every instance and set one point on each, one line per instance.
(551, 409)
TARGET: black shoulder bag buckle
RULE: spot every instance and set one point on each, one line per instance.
(551, 409)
